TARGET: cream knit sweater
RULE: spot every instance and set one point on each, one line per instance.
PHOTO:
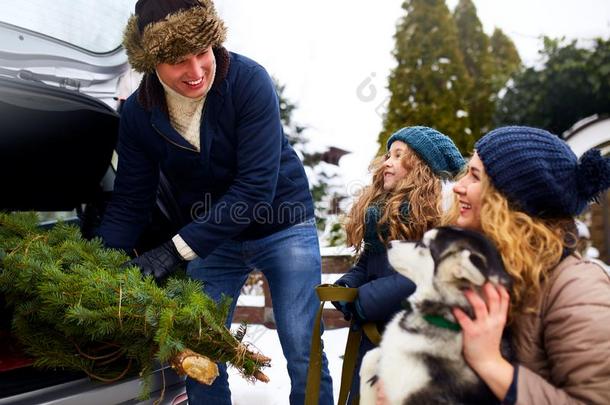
(185, 117)
(184, 114)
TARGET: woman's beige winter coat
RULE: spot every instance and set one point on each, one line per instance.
(563, 350)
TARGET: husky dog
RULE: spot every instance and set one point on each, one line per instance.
(420, 356)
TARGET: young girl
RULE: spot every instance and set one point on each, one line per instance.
(522, 189)
(403, 202)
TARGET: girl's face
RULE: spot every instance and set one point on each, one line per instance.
(393, 169)
(468, 190)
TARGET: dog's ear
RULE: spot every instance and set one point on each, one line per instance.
(501, 278)
(469, 266)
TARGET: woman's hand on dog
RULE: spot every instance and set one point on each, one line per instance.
(482, 335)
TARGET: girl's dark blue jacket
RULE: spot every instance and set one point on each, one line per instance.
(246, 182)
(381, 289)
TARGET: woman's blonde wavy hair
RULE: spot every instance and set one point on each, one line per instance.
(530, 247)
(420, 188)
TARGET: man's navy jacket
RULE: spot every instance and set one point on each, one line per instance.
(246, 182)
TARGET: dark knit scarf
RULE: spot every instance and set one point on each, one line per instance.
(375, 234)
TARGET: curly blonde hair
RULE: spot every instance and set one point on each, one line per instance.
(530, 247)
(420, 188)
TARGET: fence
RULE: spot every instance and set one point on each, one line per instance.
(264, 315)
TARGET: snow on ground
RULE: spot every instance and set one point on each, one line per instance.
(276, 392)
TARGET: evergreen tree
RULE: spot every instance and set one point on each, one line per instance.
(573, 83)
(430, 83)
(294, 133)
(599, 77)
(476, 50)
(74, 307)
(506, 60)
(320, 174)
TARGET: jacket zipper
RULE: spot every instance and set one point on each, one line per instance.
(177, 144)
(172, 142)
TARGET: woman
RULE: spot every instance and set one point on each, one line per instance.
(522, 189)
(403, 202)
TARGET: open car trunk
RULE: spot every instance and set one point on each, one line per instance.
(56, 147)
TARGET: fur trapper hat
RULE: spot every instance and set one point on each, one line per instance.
(164, 31)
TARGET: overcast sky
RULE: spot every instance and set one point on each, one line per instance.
(334, 56)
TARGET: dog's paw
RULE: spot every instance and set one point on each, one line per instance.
(369, 376)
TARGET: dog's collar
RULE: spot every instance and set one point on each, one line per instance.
(441, 322)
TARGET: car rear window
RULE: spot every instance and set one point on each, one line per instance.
(96, 26)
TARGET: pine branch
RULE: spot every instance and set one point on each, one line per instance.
(75, 308)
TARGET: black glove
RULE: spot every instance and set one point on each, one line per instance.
(343, 306)
(159, 262)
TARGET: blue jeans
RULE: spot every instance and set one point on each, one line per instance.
(290, 260)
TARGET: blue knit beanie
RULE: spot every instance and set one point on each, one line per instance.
(538, 172)
(437, 150)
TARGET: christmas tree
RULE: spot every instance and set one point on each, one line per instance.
(74, 307)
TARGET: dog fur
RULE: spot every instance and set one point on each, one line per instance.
(420, 363)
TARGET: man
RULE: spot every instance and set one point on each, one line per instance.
(209, 120)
